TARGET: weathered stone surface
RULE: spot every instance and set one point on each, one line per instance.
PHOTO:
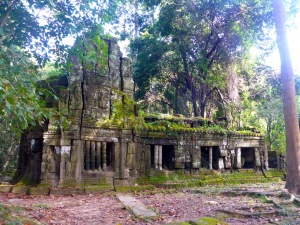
(39, 191)
(208, 221)
(138, 209)
(106, 142)
(5, 188)
(19, 189)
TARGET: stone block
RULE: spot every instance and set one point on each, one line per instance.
(221, 163)
(39, 191)
(67, 191)
(208, 220)
(223, 153)
(20, 189)
(98, 189)
(5, 188)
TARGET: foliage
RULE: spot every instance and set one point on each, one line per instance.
(91, 50)
(31, 32)
(20, 98)
(183, 57)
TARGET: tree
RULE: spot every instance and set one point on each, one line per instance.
(29, 31)
(289, 101)
(200, 39)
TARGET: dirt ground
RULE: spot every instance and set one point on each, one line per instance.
(171, 205)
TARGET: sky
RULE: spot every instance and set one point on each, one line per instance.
(294, 45)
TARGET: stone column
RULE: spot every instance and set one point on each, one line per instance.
(196, 157)
(77, 145)
(93, 155)
(210, 157)
(87, 155)
(62, 168)
(257, 158)
(98, 155)
(103, 147)
(156, 157)
(160, 157)
(238, 158)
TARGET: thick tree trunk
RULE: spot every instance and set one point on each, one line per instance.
(289, 102)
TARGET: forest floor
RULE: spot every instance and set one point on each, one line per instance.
(242, 204)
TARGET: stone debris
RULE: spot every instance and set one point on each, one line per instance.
(138, 208)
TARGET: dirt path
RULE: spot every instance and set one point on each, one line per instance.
(171, 205)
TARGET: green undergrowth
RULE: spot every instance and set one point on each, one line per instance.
(124, 189)
(13, 215)
(181, 180)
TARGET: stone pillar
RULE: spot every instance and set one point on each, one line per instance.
(238, 158)
(93, 155)
(197, 157)
(87, 155)
(160, 157)
(103, 148)
(98, 155)
(257, 158)
(210, 159)
(156, 157)
(77, 145)
(122, 155)
(62, 169)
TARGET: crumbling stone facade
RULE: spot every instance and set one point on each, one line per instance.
(107, 141)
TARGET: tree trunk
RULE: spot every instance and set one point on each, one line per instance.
(289, 102)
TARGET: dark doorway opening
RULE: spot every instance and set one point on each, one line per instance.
(110, 156)
(273, 159)
(205, 157)
(248, 156)
(152, 156)
(168, 156)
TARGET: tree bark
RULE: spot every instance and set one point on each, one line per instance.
(289, 101)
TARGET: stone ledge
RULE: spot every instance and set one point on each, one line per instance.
(5, 188)
(20, 189)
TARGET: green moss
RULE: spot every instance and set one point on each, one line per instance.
(98, 189)
(208, 221)
(178, 223)
(134, 188)
(39, 191)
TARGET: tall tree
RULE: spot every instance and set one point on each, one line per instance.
(200, 40)
(289, 101)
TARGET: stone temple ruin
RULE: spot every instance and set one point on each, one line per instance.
(108, 141)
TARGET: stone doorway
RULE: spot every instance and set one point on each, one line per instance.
(248, 158)
(168, 156)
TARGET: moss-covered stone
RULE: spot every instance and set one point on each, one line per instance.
(134, 188)
(98, 189)
(178, 223)
(5, 188)
(20, 189)
(208, 221)
(39, 191)
(67, 191)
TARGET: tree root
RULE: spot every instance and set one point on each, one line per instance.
(241, 213)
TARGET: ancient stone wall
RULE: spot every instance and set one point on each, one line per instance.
(107, 142)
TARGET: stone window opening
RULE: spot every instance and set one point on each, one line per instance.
(97, 155)
(210, 157)
(162, 157)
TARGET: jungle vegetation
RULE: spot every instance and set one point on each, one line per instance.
(190, 57)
